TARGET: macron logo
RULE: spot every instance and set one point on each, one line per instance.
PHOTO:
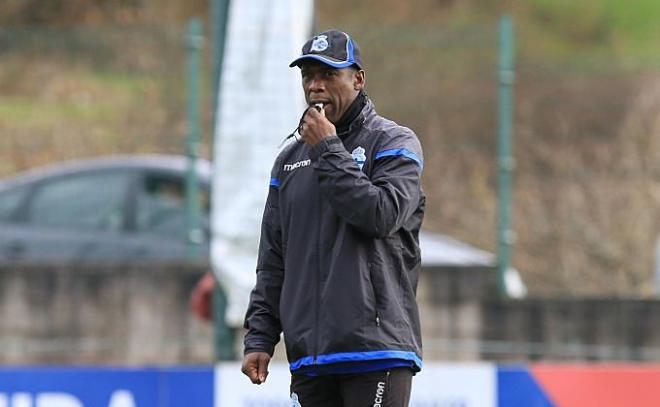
(291, 167)
(378, 401)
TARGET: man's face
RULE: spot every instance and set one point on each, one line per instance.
(335, 88)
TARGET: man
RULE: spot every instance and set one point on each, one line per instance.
(339, 258)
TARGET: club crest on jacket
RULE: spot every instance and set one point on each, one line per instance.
(359, 156)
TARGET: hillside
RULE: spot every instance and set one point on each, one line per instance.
(587, 180)
(91, 77)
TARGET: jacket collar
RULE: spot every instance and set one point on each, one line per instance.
(359, 120)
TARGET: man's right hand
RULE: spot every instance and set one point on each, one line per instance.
(255, 366)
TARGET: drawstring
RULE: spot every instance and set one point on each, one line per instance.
(297, 129)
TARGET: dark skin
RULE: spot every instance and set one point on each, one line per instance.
(336, 89)
(255, 366)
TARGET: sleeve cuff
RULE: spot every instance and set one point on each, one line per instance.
(269, 349)
(331, 143)
(258, 345)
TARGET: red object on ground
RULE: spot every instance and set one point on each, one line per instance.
(607, 385)
(201, 298)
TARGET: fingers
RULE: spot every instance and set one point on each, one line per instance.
(263, 368)
(251, 371)
(315, 113)
(254, 376)
(315, 127)
(251, 368)
(315, 119)
(255, 366)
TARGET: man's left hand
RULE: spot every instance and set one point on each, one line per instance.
(316, 127)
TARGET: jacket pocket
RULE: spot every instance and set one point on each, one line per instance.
(375, 316)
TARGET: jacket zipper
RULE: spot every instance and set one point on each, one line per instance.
(373, 290)
(318, 286)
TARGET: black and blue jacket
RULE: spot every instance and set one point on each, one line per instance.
(339, 257)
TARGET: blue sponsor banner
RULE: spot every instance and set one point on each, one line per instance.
(439, 384)
(106, 387)
(516, 386)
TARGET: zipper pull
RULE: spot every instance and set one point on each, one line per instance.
(377, 319)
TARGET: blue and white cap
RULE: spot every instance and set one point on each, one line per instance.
(333, 47)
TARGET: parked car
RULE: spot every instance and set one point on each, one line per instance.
(109, 208)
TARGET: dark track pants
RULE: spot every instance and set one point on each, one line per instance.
(389, 388)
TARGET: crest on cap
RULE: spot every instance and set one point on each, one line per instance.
(332, 47)
(320, 43)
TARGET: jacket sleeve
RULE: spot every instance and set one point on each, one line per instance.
(262, 320)
(378, 205)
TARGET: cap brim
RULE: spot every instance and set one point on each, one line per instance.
(325, 60)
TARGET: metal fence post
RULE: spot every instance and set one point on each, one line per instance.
(219, 18)
(224, 336)
(195, 234)
(506, 74)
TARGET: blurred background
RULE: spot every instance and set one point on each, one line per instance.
(82, 78)
(88, 78)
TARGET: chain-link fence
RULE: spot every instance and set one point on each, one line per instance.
(587, 181)
(586, 206)
(586, 189)
(73, 92)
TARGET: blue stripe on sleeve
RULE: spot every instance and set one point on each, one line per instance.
(275, 182)
(399, 152)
